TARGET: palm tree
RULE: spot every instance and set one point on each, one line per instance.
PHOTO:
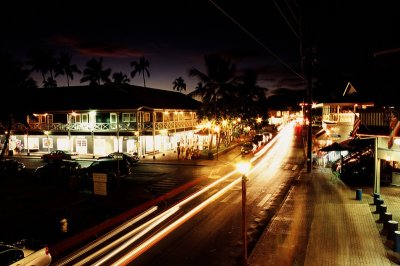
(13, 76)
(94, 72)
(251, 98)
(179, 84)
(217, 85)
(15, 80)
(120, 78)
(42, 60)
(141, 67)
(50, 83)
(64, 67)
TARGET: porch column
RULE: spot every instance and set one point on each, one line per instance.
(377, 179)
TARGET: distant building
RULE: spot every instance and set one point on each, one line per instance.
(103, 119)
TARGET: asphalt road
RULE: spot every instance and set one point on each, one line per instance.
(33, 208)
(213, 236)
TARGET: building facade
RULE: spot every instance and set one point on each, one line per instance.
(142, 120)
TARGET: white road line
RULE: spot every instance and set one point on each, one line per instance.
(226, 199)
(264, 200)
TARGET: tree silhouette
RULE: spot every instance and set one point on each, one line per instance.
(95, 72)
(217, 85)
(179, 84)
(43, 61)
(14, 80)
(120, 78)
(141, 67)
(65, 67)
(50, 83)
(251, 100)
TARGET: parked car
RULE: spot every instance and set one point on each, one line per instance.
(56, 155)
(57, 169)
(130, 158)
(267, 135)
(20, 253)
(259, 139)
(10, 167)
(111, 167)
(248, 147)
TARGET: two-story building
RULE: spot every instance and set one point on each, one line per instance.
(382, 125)
(337, 121)
(98, 120)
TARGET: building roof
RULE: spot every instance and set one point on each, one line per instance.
(106, 97)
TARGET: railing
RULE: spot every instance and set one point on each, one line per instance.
(169, 125)
(99, 127)
(340, 118)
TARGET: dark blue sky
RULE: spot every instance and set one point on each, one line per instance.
(176, 35)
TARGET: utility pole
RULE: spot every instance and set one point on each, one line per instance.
(306, 58)
(309, 110)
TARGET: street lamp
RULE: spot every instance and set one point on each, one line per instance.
(243, 168)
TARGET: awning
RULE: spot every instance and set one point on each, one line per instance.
(335, 147)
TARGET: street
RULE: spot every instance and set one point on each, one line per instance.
(46, 205)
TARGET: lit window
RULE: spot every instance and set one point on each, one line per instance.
(128, 117)
(146, 117)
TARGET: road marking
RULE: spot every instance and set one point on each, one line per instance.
(264, 200)
(287, 166)
(229, 197)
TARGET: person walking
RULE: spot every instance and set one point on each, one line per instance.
(178, 149)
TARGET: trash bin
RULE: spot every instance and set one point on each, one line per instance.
(382, 211)
(379, 202)
(387, 216)
(396, 246)
(376, 196)
(358, 194)
(392, 227)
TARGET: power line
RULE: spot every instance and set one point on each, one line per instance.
(291, 12)
(286, 20)
(395, 50)
(259, 42)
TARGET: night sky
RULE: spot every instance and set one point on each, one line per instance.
(176, 35)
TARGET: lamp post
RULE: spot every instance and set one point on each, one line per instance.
(211, 133)
(27, 144)
(244, 168)
(217, 129)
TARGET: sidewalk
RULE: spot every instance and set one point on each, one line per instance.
(322, 223)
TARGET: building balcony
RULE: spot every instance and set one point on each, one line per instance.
(341, 118)
(109, 127)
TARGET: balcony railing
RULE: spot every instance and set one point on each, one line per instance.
(340, 118)
(104, 127)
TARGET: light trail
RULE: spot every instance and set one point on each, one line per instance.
(133, 254)
(145, 228)
(106, 237)
(143, 247)
(128, 239)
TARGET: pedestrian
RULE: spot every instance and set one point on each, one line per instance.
(178, 149)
